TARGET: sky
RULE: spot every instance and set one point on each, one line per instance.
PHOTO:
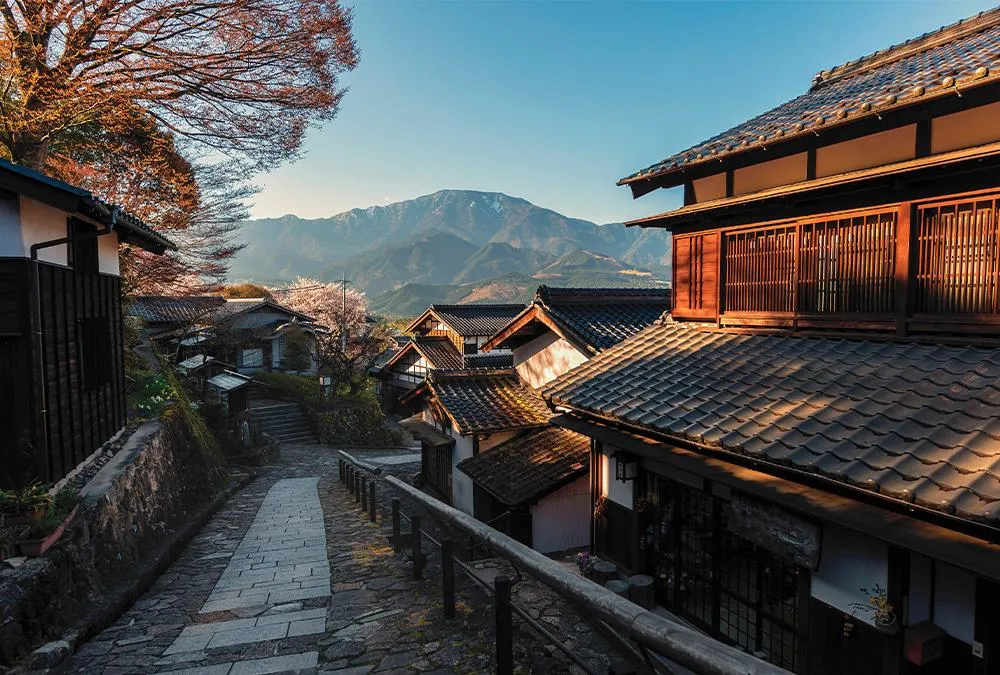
(554, 101)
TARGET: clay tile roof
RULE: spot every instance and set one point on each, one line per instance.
(169, 309)
(527, 467)
(440, 352)
(476, 319)
(932, 65)
(916, 422)
(236, 306)
(603, 317)
(484, 401)
(494, 359)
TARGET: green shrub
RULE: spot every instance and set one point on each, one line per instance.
(147, 393)
(303, 388)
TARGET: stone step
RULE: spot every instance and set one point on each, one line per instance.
(297, 438)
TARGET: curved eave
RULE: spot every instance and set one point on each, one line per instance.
(703, 209)
(649, 179)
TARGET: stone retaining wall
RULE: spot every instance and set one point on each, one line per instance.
(361, 424)
(135, 504)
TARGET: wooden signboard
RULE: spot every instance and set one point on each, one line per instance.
(775, 529)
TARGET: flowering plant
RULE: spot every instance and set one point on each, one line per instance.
(878, 605)
(584, 561)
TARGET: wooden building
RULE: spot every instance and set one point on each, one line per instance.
(445, 337)
(61, 351)
(250, 334)
(488, 450)
(820, 416)
(563, 327)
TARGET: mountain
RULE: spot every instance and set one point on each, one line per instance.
(576, 268)
(452, 241)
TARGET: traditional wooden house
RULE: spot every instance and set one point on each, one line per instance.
(249, 334)
(61, 351)
(445, 337)
(563, 327)
(806, 456)
(533, 482)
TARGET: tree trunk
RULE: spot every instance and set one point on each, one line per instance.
(30, 152)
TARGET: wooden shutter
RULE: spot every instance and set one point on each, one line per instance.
(696, 276)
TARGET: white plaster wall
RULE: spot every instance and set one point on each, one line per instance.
(545, 358)
(849, 561)
(561, 520)
(965, 129)
(107, 254)
(709, 188)
(886, 147)
(620, 492)
(11, 245)
(39, 223)
(955, 602)
(783, 171)
(461, 485)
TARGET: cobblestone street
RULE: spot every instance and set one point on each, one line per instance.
(289, 576)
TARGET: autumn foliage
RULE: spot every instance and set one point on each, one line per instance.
(167, 107)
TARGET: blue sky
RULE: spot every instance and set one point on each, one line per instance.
(554, 101)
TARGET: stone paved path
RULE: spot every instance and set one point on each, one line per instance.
(290, 576)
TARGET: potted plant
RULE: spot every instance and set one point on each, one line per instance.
(585, 562)
(46, 531)
(19, 507)
(880, 609)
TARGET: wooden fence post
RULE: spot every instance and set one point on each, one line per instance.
(371, 502)
(417, 555)
(504, 627)
(340, 470)
(448, 576)
(396, 547)
(347, 478)
(364, 493)
(357, 486)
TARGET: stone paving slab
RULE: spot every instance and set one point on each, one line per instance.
(356, 608)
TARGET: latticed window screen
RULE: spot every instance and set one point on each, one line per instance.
(845, 264)
(729, 586)
(848, 264)
(958, 260)
(760, 270)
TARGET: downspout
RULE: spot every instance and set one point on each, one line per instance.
(38, 356)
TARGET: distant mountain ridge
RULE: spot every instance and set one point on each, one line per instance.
(453, 238)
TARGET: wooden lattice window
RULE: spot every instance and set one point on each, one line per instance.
(760, 270)
(847, 264)
(958, 261)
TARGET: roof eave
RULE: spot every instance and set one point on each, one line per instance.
(643, 183)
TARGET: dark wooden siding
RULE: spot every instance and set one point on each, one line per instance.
(696, 275)
(17, 460)
(81, 313)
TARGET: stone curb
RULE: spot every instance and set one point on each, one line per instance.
(54, 653)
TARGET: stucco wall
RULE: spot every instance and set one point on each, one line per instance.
(107, 254)
(886, 147)
(966, 129)
(39, 223)
(11, 245)
(849, 562)
(461, 485)
(561, 520)
(620, 492)
(545, 358)
(784, 171)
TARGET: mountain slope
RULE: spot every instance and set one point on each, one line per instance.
(286, 247)
(576, 268)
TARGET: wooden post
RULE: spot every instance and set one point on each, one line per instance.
(396, 548)
(417, 556)
(340, 470)
(364, 493)
(371, 502)
(504, 627)
(904, 272)
(357, 486)
(350, 479)
(448, 576)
